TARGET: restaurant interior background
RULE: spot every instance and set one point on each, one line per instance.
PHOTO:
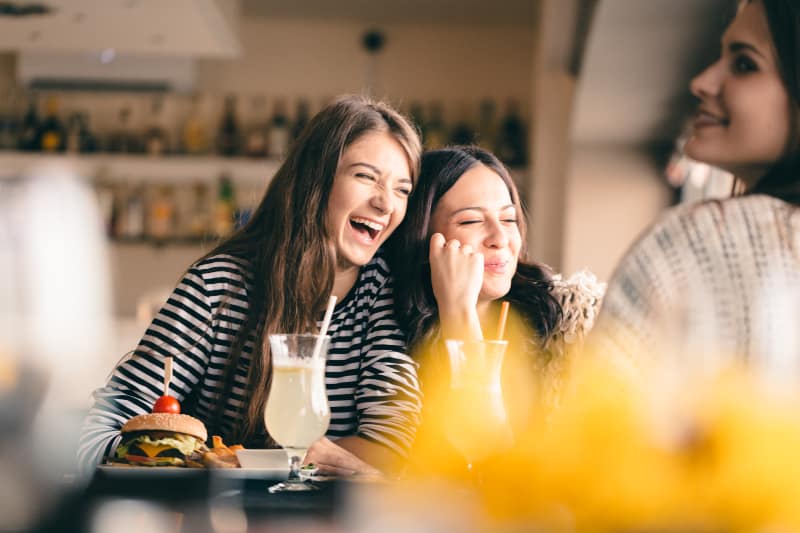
(601, 88)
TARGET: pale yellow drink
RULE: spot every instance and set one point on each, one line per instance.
(297, 412)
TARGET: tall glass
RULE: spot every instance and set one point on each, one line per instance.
(476, 423)
(297, 412)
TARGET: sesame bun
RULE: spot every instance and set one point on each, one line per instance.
(167, 422)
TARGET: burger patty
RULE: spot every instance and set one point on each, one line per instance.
(133, 449)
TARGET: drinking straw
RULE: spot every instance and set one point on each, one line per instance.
(501, 328)
(167, 374)
(323, 330)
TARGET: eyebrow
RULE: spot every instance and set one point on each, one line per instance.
(478, 208)
(377, 171)
(739, 46)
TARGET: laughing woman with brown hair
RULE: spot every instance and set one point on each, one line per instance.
(317, 232)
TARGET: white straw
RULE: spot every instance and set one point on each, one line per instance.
(323, 330)
(167, 374)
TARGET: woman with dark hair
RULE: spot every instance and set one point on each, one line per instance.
(722, 277)
(317, 232)
(460, 252)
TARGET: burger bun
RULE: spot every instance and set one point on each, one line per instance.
(176, 423)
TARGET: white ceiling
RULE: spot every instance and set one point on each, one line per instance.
(491, 12)
(639, 59)
(197, 28)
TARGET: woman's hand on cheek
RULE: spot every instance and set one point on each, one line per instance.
(456, 274)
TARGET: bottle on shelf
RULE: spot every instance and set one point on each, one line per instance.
(29, 129)
(228, 139)
(256, 138)
(51, 136)
(156, 138)
(486, 135)
(161, 214)
(224, 207)
(301, 118)
(462, 132)
(436, 133)
(194, 136)
(199, 223)
(511, 138)
(279, 131)
(123, 140)
(106, 192)
(9, 122)
(79, 137)
(132, 215)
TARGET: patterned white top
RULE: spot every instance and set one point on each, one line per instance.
(718, 279)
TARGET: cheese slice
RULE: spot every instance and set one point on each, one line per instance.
(152, 450)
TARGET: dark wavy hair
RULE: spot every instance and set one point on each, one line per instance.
(408, 249)
(783, 19)
(292, 257)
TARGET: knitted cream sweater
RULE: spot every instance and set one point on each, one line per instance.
(709, 282)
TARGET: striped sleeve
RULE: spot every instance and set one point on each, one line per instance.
(181, 329)
(388, 398)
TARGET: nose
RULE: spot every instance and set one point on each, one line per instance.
(496, 236)
(382, 199)
(707, 84)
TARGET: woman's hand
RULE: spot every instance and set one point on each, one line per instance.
(333, 460)
(457, 278)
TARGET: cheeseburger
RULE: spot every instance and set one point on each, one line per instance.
(162, 439)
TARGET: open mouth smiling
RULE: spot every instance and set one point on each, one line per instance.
(366, 226)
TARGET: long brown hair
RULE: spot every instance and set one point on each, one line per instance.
(409, 249)
(292, 257)
(783, 19)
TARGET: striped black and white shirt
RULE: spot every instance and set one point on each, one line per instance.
(372, 383)
(718, 279)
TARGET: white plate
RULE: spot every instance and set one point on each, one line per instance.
(260, 459)
(162, 471)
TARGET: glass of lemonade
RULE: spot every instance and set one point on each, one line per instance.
(297, 412)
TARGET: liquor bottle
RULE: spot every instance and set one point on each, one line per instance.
(486, 135)
(156, 138)
(199, 216)
(462, 132)
(301, 118)
(9, 121)
(79, 137)
(132, 220)
(511, 139)
(279, 131)
(51, 136)
(228, 132)
(256, 138)
(161, 214)
(224, 207)
(29, 128)
(436, 133)
(106, 195)
(73, 144)
(194, 137)
(123, 140)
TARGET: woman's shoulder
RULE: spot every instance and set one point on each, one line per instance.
(223, 266)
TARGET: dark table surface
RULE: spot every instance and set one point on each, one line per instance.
(193, 493)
